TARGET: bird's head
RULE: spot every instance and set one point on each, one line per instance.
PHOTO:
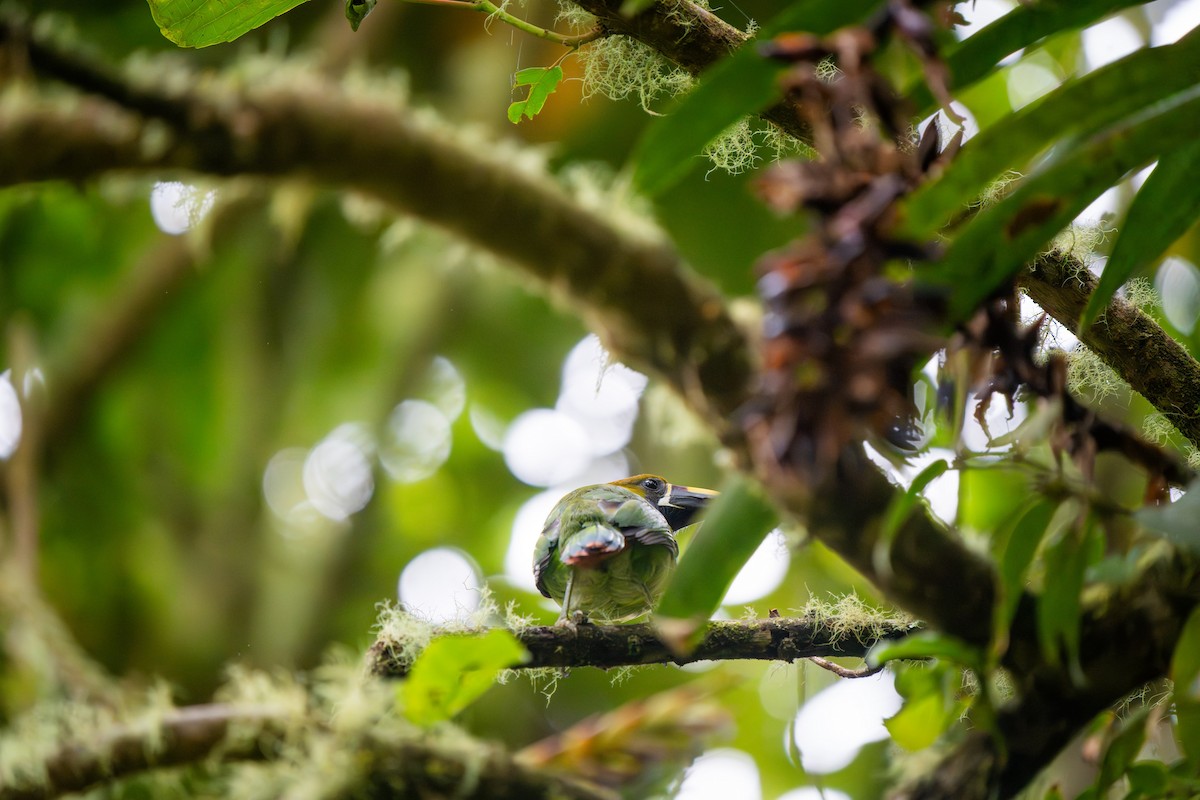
(678, 504)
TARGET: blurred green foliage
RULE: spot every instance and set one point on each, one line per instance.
(293, 310)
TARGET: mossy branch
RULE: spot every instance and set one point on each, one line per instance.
(606, 646)
(310, 127)
(216, 732)
(1142, 353)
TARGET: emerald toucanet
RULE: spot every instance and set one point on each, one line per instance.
(607, 550)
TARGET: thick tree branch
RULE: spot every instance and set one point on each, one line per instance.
(773, 639)
(188, 735)
(634, 288)
(1154, 364)
(388, 766)
(1127, 640)
(692, 37)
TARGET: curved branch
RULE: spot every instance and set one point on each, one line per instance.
(635, 288)
(188, 736)
(692, 37)
(196, 734)
(1142, 353)
(1127, 640)
(605, 646)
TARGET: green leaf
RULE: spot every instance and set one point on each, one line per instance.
(733, 528)
(926, 644)
(200, 23)
(743, 84)
(998, 242)
(899, 510)
(1163, 210)
(1059, 606)
(357, 10)
(453, 671)
(1185, 673)
(929, 706)
(1122, 749)
(1017, 554)
(919, 723)
(1081, 107)
(977, 56)
(542, 81)
(1178, 522)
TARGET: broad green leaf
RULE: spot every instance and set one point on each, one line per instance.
(1163, 210)
(1017, 554)
(1081, 107)
(743, 84)
(1028, 23)
(899, 510)
(929, 705)
(1178, 522)
(926, 644)
(1146, 779)
(732, 529)
(453, 671)
(985, 496)
(542, 81)
(1122, 749)
(1059, 607)
(997, 243)
(1185, 673)
(200, 23)
(919, 723)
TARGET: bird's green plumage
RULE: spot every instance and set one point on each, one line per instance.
(605, 551)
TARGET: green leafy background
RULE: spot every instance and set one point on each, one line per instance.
(309, 310)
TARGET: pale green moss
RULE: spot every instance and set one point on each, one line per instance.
(1141, 294)
(849, 615)
(734, 151)
(1089, 376)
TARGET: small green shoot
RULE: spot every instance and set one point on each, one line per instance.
(542, 82)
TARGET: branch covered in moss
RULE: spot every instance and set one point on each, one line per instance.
(587, 645)
(1141, 352)
(184, 736)
(633, 287)
(410, 767)
(690, 36)
(1127, 639)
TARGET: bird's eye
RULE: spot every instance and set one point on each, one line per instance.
(653, 485)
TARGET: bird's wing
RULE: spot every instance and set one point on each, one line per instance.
(643, 523)
(544, 553)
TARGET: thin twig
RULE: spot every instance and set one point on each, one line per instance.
(497, 12)
(865, 671)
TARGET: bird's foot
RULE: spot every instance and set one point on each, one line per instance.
(574, 620)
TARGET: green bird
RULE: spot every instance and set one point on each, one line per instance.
(607, 550)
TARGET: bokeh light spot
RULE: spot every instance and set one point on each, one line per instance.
(1109, 41)
(1178, 284)
(762, 573)
(544, 447)
(441, 584)
(177, 207)
(444, 387)
(721, 774)
(831, 727)
(10, 416)
(337, 472)
(283, 482)
(416, 441)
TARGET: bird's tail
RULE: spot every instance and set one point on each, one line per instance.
(591, 545)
